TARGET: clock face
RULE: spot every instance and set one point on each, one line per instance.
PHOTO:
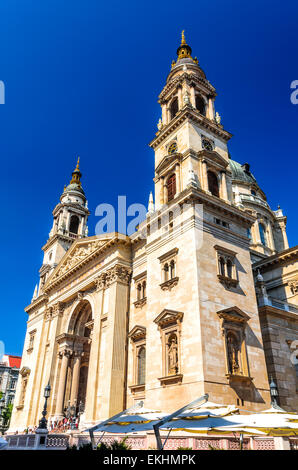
(173, 148)
(206, 144)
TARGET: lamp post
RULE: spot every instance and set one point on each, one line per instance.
(273, 392)
(2, 406)
(43, 421)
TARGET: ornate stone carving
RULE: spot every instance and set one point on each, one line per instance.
(168, 285)
(140, 303)
(293, 285)
(100, 281)
(118, 274)
(57, 309)
(80, 253)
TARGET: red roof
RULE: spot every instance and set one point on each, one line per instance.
(14, 361)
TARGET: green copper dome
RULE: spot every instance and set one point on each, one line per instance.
(242, 172)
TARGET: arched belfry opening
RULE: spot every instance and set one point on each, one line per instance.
(213, 183)
(74, 347)
(74, 224)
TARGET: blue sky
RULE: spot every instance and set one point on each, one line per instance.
(82, 78)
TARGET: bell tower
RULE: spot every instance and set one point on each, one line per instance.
(191, 143)
(69, 223)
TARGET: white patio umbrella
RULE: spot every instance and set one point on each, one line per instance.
(133, 420)
(211, 418)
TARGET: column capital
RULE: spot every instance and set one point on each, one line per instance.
(100, 281)
(65, 352)
(118, 274)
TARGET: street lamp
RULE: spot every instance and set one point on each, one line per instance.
(43, 421)
(2, 406)
(273, 392)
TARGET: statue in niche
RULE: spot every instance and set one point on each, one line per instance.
(173, 355)
(233, 354)
(186, 99)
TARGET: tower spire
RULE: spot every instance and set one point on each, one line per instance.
(184, 50)
(76, 174)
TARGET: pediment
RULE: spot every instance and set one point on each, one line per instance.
(138, 332)
(167, 161)
(168, 316)
(80, 252)
(213, 157)
(233, 314)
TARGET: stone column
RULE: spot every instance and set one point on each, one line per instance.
(165, 196)
(271, 239)
(224, 193)
(162, 201)
(177, 172)
(257, 232)
(210, 108)
(284, 236)
(75, 377)
(61, 388)
(192, 96)
(92, 402)
(164, 114)
(180, 99)
(113, 400)
(205, 178)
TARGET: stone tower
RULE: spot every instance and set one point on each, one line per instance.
(70, 222)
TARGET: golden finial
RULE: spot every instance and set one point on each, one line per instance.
(183, 38)
(184, 50)
(76, 174)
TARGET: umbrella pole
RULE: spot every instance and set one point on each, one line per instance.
(166, 439)
(157, 437)
(92, 438)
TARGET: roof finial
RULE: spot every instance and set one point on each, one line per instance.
(183, 38)
(184, 50)
(76, 174)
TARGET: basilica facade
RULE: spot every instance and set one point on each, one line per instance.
(182, 307)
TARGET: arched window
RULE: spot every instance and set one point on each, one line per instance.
(171, 187)
(141, 365)
(172, 269)
(74, 224)
(166, 272)
(262, 234)
(200, 105)
(144, 289)
(249, 233)
(230, 269)
(222, 266)
(174, 108)
(139, 291)
(213, 183)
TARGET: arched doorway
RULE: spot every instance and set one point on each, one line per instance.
(79, 329)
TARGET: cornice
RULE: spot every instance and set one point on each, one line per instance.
(74, 205)
(56, 237)
(104, 244)
(278, 258)
(178, 80)
(188, 112)
(37, 303)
